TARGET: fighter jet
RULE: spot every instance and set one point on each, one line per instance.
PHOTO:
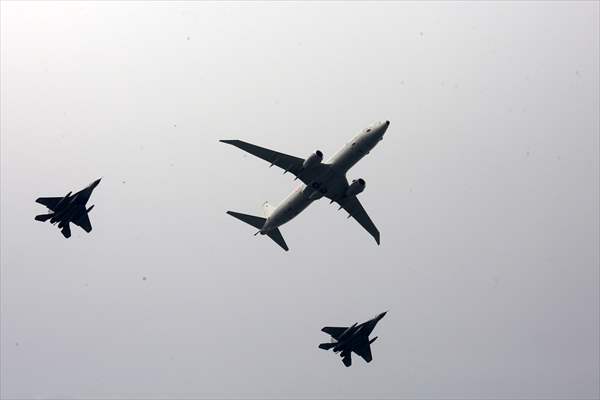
(320, 179)
(353, 339)
(70, 208)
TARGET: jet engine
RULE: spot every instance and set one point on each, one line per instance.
(356, 187)
(313, 160)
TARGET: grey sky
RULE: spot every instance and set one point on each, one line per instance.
(485, 190)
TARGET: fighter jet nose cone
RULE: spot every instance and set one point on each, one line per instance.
(387, 123)
(96, 182)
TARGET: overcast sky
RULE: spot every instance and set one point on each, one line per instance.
(485, 190)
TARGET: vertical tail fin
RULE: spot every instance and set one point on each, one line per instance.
(267, 209)
(327, 346)
(43, 217)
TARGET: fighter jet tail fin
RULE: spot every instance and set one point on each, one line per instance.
(327, 346)
(43, 217)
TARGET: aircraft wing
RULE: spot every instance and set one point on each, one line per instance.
(83, 222)
(334, 331)
(364, 350)
(355, 209)
(284, 161)
(49, 202)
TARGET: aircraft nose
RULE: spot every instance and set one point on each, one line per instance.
(96, 182)
(381, 131)
(382, 315)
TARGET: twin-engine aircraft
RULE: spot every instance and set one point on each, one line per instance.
(321, 179)
(70, 208)
(345, 340)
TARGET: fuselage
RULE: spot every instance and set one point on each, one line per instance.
(72, 207)
(357, 334)
(332, 182)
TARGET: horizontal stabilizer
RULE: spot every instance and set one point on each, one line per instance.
(347, 360)
(43, 217)
(66, 230)
(327, 346)
(275, 234)
(256, 222)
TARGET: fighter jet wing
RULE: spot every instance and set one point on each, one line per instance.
(355, 209)
(284, 161)
(334, 331)
(50, 202)
(84, 222)
(364, 350)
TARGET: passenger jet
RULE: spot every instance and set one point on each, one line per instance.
(320, 179)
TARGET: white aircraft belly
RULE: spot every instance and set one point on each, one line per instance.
(293, 205)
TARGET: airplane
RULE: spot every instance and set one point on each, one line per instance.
(346, 340)
(70, 208)
(320, 179)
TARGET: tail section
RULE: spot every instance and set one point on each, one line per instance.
(275, 234)
(347, 359)
(66, 230)
(327, 346)
(43, 217)
(258, 223)
(267, 209)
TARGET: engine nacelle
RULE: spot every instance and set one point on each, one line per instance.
(356, 187)
(313, 160)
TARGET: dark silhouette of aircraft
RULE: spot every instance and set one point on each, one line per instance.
(345, 340)
(70, 208)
